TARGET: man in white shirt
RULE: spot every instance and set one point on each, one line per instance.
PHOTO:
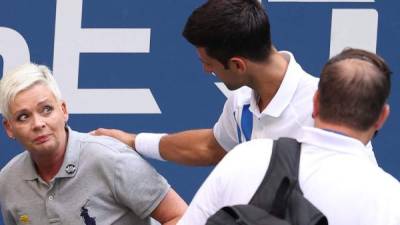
(272, 97)
(336, 174)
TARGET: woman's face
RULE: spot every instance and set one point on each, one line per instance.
(38, 121)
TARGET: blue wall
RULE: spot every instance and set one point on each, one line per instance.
(186, 97)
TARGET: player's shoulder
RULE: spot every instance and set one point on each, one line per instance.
(250, 151)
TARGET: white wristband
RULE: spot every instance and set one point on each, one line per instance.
(147, 144)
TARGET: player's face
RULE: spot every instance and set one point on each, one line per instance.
(213, 66)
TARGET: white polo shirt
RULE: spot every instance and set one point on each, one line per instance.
(288, 111)
(336, 174)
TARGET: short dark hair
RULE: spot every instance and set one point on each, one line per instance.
(227, 28)
(353, 89)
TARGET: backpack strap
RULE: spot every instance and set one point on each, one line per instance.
(280, 178)
(279, 199)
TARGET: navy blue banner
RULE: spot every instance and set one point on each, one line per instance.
(124, 64)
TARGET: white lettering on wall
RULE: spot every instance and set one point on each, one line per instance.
(356, 28)
(13, 48)
(70, 40)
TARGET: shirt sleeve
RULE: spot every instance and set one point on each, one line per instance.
(8, 218)
(225, 130)
(233, 181)
(206, 201)
(137, 184)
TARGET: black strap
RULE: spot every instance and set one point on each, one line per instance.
(281, 177)
(282, 198)
(279, 199)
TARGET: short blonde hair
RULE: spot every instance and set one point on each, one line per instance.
(23, 78)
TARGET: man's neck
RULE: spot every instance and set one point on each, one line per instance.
(363, 136)
(267, 77)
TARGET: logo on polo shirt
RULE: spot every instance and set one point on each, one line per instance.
(24, 219)
(86, 217)
(70, 169)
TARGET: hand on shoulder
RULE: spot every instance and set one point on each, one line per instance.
(127, 138)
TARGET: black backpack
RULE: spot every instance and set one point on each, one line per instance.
(279, 199)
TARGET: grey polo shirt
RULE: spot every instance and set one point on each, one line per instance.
(101, 181)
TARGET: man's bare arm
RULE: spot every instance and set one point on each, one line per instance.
(192, 147)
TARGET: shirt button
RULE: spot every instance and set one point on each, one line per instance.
(51, 197)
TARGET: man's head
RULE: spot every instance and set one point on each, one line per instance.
(353, 89)
(228, 28)
(33, 111)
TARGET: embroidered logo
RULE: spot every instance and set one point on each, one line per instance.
(70, 169)
(24, 219)
(86, 217)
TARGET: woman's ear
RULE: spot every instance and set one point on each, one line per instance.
(65, 111)
(8, 128)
